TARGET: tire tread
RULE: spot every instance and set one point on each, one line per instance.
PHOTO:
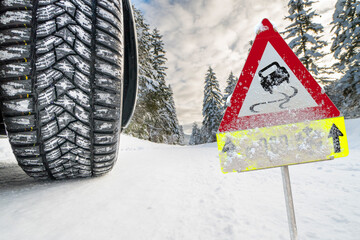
(62, 121)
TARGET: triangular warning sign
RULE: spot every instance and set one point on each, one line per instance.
(274, 88)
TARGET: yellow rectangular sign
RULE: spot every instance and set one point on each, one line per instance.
(276, 146)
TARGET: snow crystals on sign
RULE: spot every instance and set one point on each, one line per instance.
(278, 114)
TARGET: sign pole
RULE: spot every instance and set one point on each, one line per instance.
(289, 202)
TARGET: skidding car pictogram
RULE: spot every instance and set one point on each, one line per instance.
(273, 75)
(68, 83)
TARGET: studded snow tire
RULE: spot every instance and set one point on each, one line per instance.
(61, 73)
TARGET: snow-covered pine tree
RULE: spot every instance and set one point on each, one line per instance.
(195, 137)
(231, 83)
(304, 35)
(155, 115)
(168, 127)
(182, 136)
(177, 132)
(143, 118)
(212, 107)
(345, 92)
(346, 25)
(159, 59)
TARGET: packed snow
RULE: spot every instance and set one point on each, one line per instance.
(260, 28)
(158, 191)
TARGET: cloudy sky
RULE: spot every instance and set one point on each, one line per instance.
(202, 33)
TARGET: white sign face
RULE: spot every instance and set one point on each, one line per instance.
(274, 88)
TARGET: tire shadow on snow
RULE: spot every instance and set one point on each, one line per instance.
(12, 176)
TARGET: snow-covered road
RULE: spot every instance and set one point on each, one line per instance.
(164, 192)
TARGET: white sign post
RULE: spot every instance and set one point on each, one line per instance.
(289, 202)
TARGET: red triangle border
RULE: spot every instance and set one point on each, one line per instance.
(325, 108)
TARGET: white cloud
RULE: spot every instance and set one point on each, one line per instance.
(200, 33)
